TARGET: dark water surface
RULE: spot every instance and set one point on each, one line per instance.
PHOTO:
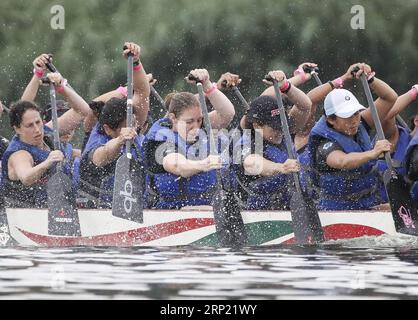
(371, 268)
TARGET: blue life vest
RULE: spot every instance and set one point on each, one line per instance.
(76, 172)
(398, 158)
(174, 191)
(96, 183)
(354, 189)
(35, 196)
(398, 155)
(266, 193)
(304, 158)
(408, 154)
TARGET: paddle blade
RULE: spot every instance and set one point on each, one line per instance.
(62, 209)
(404, 210)
(228, 219)
(5, 238)
(128, 190)
(305, 220)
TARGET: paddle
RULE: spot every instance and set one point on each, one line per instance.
(403, 209)
(305, 219)
(241, 98)
(62, 208)
(157, 96)
(127, 202)
(52, 68)
(4, 226)
(314, 73)
(229, 224)
(237, 93)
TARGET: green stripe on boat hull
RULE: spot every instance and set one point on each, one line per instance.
(257, 232)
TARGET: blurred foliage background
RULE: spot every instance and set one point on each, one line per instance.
(248, 37)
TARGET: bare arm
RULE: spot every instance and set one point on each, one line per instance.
(140, 85)
(32, 88)
(70, 120)
(299, 78)
(179, 165)
(346, 161)
(21, 167)
(302, 104)
(255, 164)
(107, 153)
(224, 111)
(301, 109)
(386, 99)
(402, 102)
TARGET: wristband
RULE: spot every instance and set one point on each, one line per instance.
(123, 91)
(300, 72)
(370, 77)
(137, 67)
(339, 83)
(413, 92)
(285, 87)
(38, 72)
(211, 89)
(331, 84)
(61, 87)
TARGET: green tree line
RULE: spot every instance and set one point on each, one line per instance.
(248, 37)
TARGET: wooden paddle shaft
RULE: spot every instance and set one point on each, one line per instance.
(129, 110)
(158, 97)
(375, 115)
(208, 126)
(316, 77)
(286, 132)
(55, 126)
(241, 98)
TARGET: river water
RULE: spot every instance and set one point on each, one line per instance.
(384, 267)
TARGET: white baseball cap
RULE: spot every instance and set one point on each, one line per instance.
(342, 103)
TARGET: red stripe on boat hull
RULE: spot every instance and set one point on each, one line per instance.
(124, 238)
(345, 231)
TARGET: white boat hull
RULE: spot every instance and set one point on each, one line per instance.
(187, 227)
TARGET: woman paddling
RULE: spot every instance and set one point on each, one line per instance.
(181, 171)
(411, 154)
(263, 173)
(342, 155)
(28, 161)
(107, 139)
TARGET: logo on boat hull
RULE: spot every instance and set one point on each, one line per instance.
(405, 214)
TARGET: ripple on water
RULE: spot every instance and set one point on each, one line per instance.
(380, 267)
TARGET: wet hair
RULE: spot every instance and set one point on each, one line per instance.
(18, 109)
(112, 114)
(412, 121)
(331, 116)
(178, 102)
(96, 107)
